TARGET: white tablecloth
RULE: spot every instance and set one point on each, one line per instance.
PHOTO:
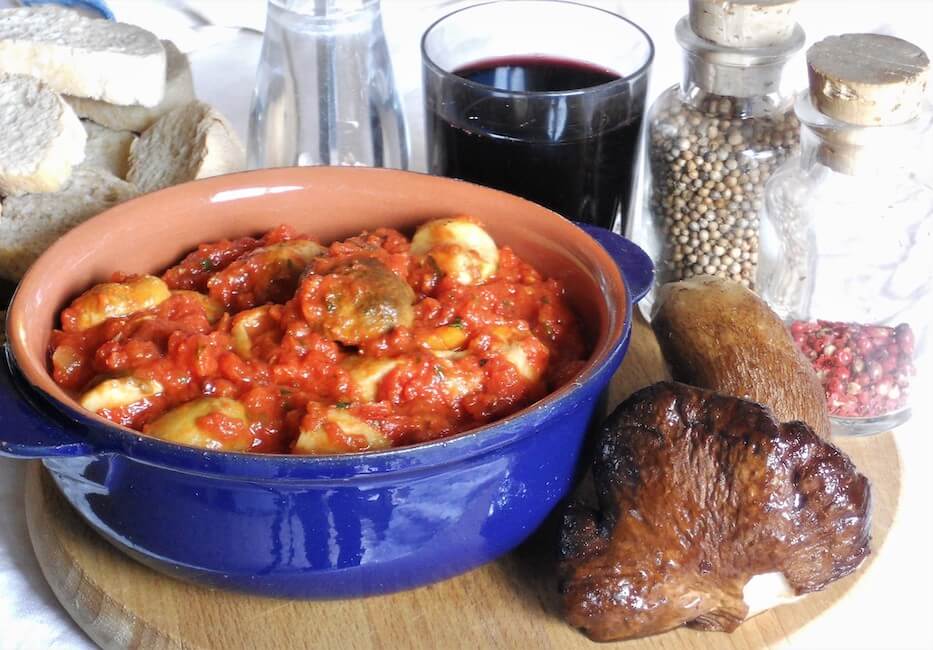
(892, 603)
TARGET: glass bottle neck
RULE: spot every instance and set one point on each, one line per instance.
(750, 79)
(877, 153)
(705, 85)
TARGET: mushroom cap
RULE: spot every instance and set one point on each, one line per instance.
(697, 494)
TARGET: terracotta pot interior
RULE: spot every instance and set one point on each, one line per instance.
(148, 234)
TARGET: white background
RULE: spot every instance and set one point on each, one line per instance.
(891, 606)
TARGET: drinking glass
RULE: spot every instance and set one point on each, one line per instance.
(539, 98)
(325, 93)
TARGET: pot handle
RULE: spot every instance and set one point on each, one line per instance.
(29, 429)
(632, 261)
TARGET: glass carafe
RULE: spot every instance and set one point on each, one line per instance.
(325, 93)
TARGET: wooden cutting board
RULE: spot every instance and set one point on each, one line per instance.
(506, 604)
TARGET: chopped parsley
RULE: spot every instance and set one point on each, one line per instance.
(330, 303)
(439, 372)
(207, 264)
(458, 323)
(342, 405)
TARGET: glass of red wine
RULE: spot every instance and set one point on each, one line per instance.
(540, 98)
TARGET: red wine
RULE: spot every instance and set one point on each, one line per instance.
(573, 153)
(536, 74)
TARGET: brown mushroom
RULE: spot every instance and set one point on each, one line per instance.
(700, 494)
(717, 334)
(357, 299)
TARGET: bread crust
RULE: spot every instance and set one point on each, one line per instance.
(32, 222)
(190, 142)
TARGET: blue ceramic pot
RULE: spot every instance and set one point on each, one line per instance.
(313, 527)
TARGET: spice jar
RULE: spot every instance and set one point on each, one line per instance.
(715, 139)
(847, 231)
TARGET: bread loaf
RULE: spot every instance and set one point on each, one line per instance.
(31, 223)
(179, 90)
(190, 142)
(41, 138)
(85, 57)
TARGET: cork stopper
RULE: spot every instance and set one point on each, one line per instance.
(867, 79)
(743, 23)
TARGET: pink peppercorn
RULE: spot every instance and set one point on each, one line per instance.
(889, 364)
(844, 357)
(864, 344)
(865, 369)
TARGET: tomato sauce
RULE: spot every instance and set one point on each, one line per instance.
(358, 345)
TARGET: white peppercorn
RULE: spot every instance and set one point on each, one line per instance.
(709, 163)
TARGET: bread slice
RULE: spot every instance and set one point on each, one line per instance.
(108, 150)
(41, 138)
(29, 224)
(190, 142)
(81, 56)
(179, 90)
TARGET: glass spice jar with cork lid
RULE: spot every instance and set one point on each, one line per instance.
(847, 233)
(713, 140)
